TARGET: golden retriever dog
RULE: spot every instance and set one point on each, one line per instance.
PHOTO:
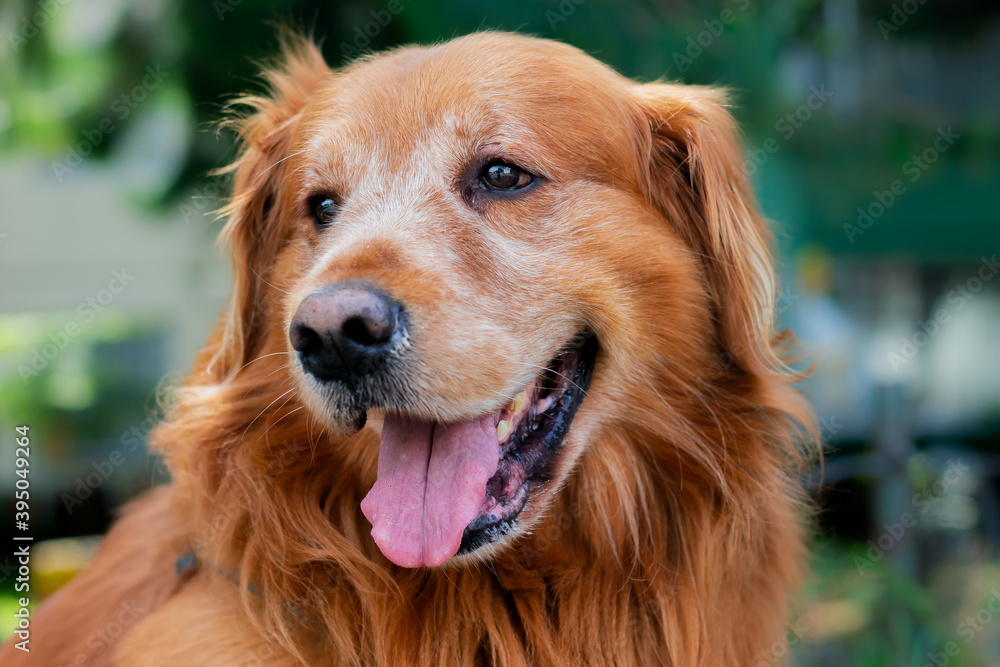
(499, 385)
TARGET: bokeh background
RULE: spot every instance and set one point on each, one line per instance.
(873, 139)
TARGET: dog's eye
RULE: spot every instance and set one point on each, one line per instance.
(503, 176)
(323, 208)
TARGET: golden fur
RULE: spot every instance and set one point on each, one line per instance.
(672, 532)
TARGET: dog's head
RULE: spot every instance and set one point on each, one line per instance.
(489, 251)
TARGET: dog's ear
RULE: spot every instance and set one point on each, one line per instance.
(693, 170)
(264, 125)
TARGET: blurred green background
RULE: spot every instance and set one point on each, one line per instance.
(873, 138)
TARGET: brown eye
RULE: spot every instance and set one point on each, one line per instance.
(323, 209)
(503, 176)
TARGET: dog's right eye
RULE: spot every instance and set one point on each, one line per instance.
(323, 208)
(500, 176)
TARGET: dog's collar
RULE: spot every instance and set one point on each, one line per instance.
(188, 564)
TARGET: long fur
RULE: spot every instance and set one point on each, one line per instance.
(676, 531)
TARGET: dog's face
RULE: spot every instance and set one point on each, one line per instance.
(473, 249)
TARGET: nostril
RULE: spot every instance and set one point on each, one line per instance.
(360, 331)
(304, 339)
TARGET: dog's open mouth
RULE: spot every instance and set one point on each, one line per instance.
(445, 489)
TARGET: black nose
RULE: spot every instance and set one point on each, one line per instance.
(345, 332)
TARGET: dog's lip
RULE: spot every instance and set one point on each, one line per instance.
(527, 458)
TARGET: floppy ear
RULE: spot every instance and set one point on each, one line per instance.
(264, 125)
(694, 173)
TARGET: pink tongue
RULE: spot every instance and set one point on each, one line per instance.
(431, 485)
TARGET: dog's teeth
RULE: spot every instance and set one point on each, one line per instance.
(518, 403)
(503, 428)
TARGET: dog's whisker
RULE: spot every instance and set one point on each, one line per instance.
(258, 382)
(265, 410)
(263, 356)
(528, 364)
(261, 174)
(271, 425)
(269, 284)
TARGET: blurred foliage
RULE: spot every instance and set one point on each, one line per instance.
(876, 616)
(77, 394)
